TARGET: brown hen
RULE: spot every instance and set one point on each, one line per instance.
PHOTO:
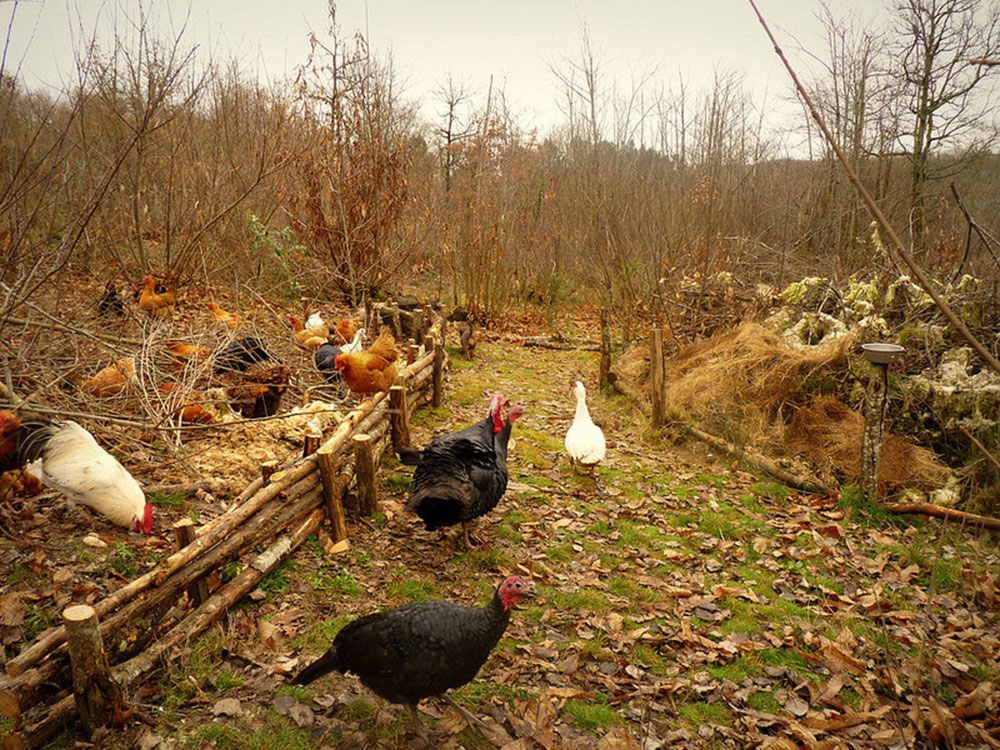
(371, 370)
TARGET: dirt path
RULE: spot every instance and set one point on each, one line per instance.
(682, 603)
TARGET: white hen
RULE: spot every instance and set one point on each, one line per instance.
(315, 320)
(66, 457)
(356, 345)
(584, 439)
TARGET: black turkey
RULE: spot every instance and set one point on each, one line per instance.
(421, 649)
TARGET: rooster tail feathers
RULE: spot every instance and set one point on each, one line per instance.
(325, 664)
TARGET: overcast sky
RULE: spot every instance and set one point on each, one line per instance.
(515, 41)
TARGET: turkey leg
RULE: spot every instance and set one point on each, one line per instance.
(472, 719)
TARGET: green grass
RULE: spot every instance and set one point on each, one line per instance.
(342, 583)
(411, 590)
(278, 734)
(125, 560)
(398, 482)
(276, 582)
(699, 713)
(591, 715)
(765, 702)
(168, 499)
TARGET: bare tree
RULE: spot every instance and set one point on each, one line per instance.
(947, 103)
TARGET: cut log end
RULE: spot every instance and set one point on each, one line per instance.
(76, 613)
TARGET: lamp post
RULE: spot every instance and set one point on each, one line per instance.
(881, 356)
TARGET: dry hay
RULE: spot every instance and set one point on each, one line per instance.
(742, 376)
(234, 455)
(830, 432)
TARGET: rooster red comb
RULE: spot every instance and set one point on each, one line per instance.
(145, 526)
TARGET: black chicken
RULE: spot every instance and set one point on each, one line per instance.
(326, 362)
(421, 649)
(463, 475)
(111, 303)
(241, 354)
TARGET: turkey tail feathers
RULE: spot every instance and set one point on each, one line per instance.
(409, 455)
(328, 662)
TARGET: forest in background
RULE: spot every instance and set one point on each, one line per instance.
(158, 160)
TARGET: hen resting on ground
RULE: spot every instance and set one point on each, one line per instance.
(66, 457)
(310, 338)
(370, 370)
(157, 305)
(584, 439)
(421, 649)
(463, 475)
(111, 303)
(259, 395)
(112, 379)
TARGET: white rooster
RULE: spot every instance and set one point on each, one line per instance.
(584, 439)
(67, 458)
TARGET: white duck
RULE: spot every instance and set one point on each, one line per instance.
(584, 439)
(356, 345)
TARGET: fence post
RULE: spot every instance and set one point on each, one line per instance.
(605, 367)
(364, 470)
(656, 375)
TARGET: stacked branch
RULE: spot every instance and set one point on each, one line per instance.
(280, 513)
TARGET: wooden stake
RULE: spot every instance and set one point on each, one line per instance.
(411, 353)
(396, 325)
(96, 695)
(656, 375)
(399, 417)
(184, 535)
(438, 385)
(605, 367)
(364, 470)
(311, 443)
(266, 470)
(331, 493)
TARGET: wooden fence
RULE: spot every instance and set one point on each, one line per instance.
(278, 511)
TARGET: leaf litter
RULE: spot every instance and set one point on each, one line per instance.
(682, 603)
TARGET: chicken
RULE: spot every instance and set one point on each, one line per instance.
(157, 305)
(19, 482)
(467, 338)
(66, 457)
(345, 331)
(111, 303)
(420, 649)
(316, 320)
(187, 407)
(230, 320)
(310, 338)
(240, 354)
(357, 343)
(112, 379)
(584, 439)
(370, 370)
(9, 426)
(188, 351)
(259, 395)
(326, 359)
(463, 475)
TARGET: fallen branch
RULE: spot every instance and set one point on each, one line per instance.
(561, 342)
(948, 514)
(762, 464)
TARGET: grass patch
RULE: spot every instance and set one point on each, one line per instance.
(576, 601)
(412, 590)
(398, 482)
(481, 693)
(276, 582)
(699, 713)
(125, 560)
(342, 583)
(764, 701)
(775, 491)
(591, 715)
(168, 499)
